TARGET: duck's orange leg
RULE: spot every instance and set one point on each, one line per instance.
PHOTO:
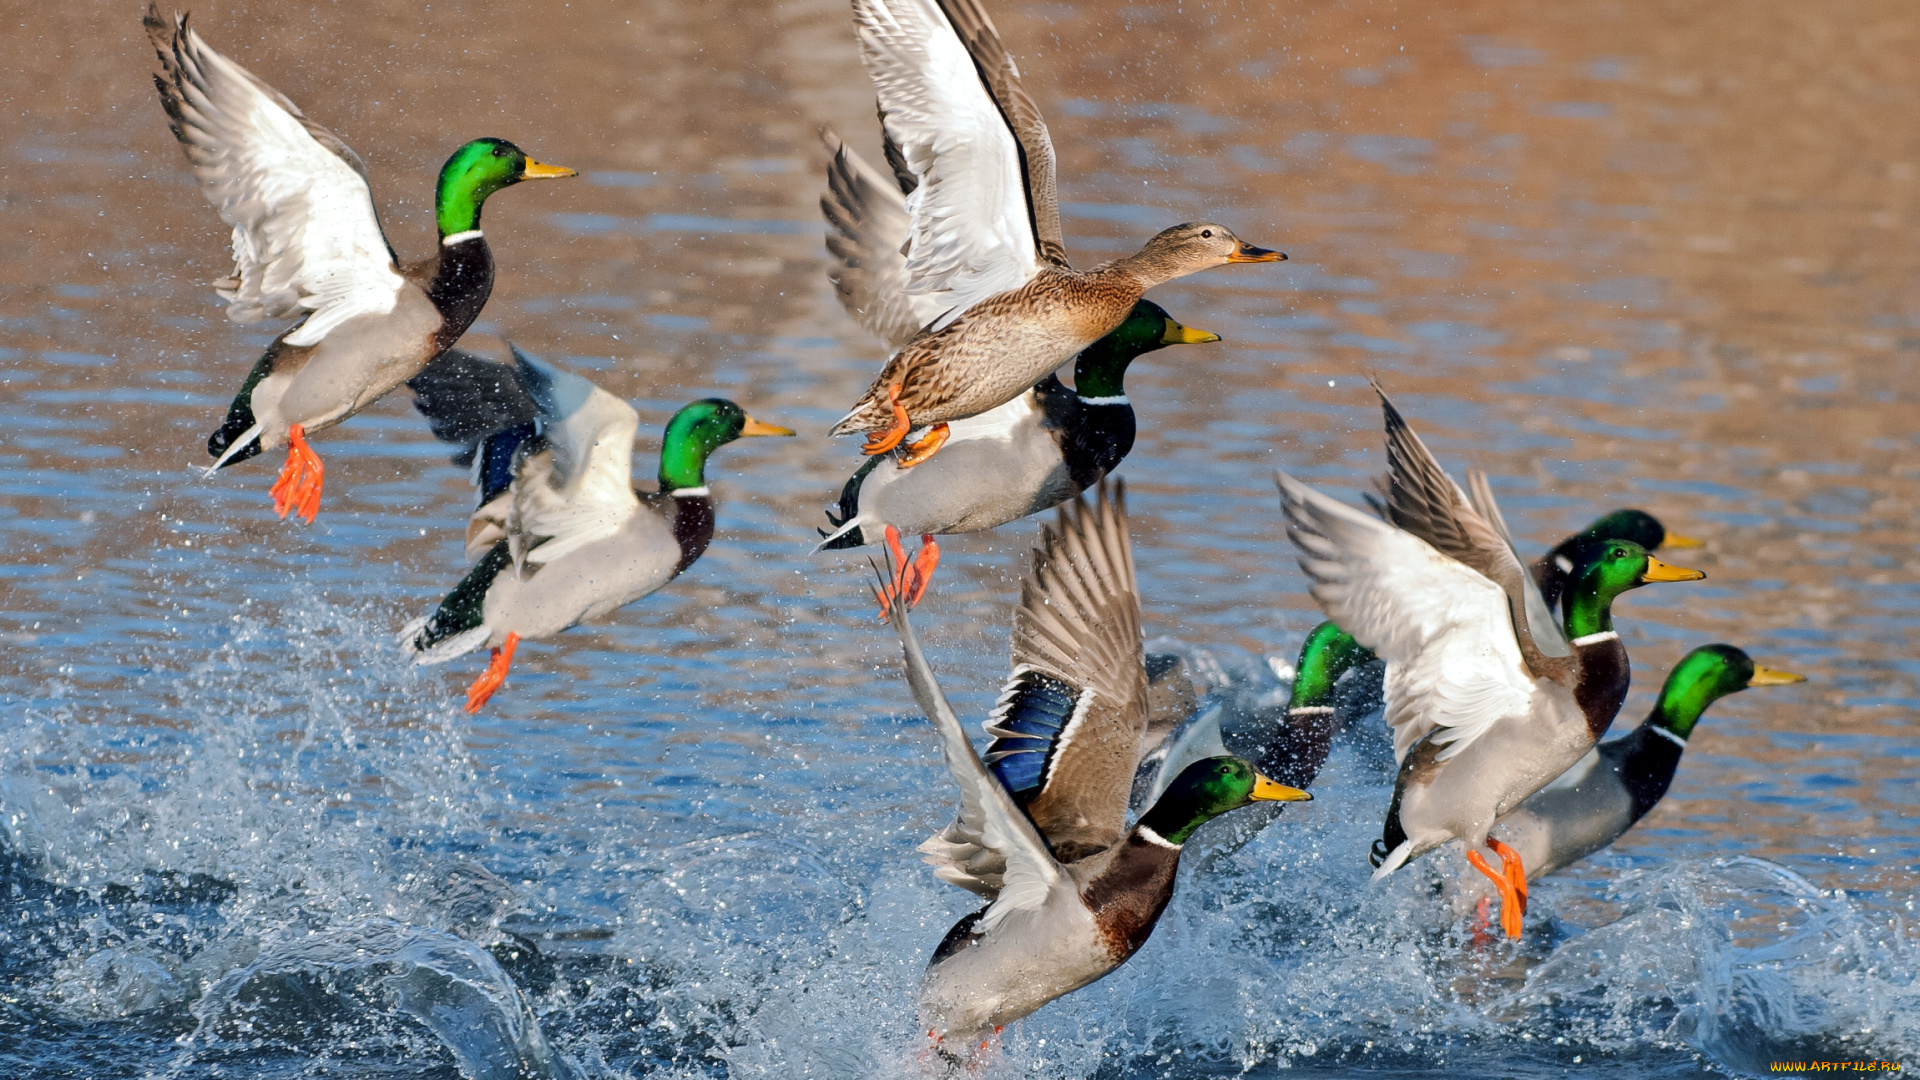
(882, 441)
(298, 488)
(929, 445)
(1509, 901)
(910, 579)
(494, 677)
(1511, 866)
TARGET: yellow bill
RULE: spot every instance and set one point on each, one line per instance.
(536, 171)
(1265, 790)
(1676, 540)
(1766, 676)
(755, 427)
(1185, 335)
(1660, 571)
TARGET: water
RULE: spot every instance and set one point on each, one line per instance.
(1612, 253)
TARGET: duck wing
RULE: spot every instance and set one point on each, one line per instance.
(306, 236)
(1540, 626)
(1002, 76)
(1068, 726)
(483, 408)
(1017, 872)
(869, 219)
(1453, 664)
(578, 487)
(466, 398)
(972, 230)
(1419, 497)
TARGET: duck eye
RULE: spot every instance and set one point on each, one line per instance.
(499, 151)
(1206, 234)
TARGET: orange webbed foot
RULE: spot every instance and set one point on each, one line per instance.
(298, 488)
(495, 676)
(884, 440)
(1510, 902)
(910, 578)
(928, 445)
(1510, 865)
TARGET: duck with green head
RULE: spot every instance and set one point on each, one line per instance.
(307, 244)
(1289, 744)
(1489, 697)
(561, 534)
(1072, 890)
(1032, 453)
(1551, 570)
(1610, 789)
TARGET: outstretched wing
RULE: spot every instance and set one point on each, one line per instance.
(869, 218)
(1002, 76)
(579, 487)
(1422, 499)
(989, 825)
(1453, 665)
(306, 238)
(1067, 730)
(1539, 625)
(972, 229)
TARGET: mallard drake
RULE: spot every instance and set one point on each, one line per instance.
(1551, 571)
(1025, 456)
(1590, 805)
(1041, 833)
(307, 242)
(984, 230)
(1488, 697)
(1289, 744)
(561, 533)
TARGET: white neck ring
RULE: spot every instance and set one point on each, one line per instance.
(1152, 837)
(1677, 740)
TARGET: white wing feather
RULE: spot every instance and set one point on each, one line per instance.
(1453, 666)
(580, 488)
(970, 231)
(306, 237)
(988, 816)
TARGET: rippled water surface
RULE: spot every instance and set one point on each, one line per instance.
(1612, 252)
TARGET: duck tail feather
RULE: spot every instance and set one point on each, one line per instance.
(848, 535)
(1395, 860)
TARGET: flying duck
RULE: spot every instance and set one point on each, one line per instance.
(307, 244)
(561, 533)
(984, 230)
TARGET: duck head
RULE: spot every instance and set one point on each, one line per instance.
(1327, 654)
(1194, 246)
(1608, 570)
(696, 431)
(476, 171)
(1101, 367)
(1206, 789)
(1703, 677)
(1638, 526)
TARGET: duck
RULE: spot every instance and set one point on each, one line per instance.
(1550, 570)
(1041, 835)
(561, 534)
(1619, 781)
(308, 244)
(1028, 455)
(1289, 744)
(1488, 696)
(984, 231)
